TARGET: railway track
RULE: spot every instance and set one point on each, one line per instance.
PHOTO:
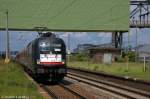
(60, 91)
(125, 87)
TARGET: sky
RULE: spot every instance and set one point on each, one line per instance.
(20, 39)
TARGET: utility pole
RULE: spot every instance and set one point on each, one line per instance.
(68, 51)
(128, 50)
(129, 45)
(136, 54)
(7, 40)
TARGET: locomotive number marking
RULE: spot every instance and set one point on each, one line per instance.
(50, 58)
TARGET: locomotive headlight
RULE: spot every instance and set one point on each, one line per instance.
(63, 62)
(38, 61)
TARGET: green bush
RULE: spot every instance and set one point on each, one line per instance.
(131, 56)
(120, 59)
(123, 54)
(79, 57)
(148, 66)
(96, 68)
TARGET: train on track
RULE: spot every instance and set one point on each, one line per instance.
(44, 58)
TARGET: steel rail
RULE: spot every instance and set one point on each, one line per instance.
(101, 87)
(88, 80)
(110, 76)
(52, 94)
(73, 92)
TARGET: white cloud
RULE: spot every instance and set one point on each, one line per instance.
(80, 34)
(103, 34)
(65, 34)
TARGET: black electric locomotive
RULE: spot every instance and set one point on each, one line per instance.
(45, 58)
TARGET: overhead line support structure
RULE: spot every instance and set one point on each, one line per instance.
(139, 16)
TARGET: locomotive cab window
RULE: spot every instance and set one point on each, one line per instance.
(46, 47)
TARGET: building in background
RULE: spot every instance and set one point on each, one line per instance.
(105, 53)
(83, 48)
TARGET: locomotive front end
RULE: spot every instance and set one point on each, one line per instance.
(51, 59)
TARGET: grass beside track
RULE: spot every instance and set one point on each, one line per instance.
(135, 70)
(14, 84)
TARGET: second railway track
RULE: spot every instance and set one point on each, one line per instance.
(123, 87)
